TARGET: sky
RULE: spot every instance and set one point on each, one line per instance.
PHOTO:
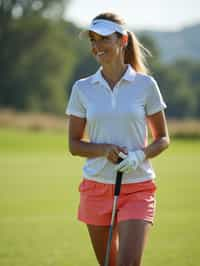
(161, 15)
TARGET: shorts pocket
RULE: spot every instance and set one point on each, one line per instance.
(92, 188)
(86, 185)
(147, 186)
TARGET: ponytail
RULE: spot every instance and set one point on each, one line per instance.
(135, 54)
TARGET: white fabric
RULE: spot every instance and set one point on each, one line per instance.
(118, 117)
(131, 161)
(104, 27)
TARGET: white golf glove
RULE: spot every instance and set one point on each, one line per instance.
(130, 161)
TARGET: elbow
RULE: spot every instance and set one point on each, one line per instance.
(72, 148)
(166, 142)
(72, 152)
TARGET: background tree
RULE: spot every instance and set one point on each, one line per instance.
(34, 56)
(16, 8)
(41, 57)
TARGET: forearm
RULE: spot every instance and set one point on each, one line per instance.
(156, 147)
(87, 149)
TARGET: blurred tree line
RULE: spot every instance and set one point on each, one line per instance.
(41, 56)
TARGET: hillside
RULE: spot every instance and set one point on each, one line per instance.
(184, 43)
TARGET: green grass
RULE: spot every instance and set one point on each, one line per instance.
(39, 198)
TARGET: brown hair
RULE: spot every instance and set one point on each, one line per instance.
(135, 52)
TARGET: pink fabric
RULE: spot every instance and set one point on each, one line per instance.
(136, 201)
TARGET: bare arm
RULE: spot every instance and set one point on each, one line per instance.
(158, 126)
(78, 146)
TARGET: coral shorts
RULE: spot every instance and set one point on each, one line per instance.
(136, 201)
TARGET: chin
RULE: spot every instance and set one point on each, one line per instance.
(105, 61)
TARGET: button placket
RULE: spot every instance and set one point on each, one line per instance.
(114, 96)
(113, 100)
(112, 92)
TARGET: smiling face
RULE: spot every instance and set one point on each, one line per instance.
(106, 49)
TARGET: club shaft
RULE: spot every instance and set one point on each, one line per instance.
(111, 231)
(116, 194)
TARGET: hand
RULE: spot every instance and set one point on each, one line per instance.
(131, 161)
(112, 151)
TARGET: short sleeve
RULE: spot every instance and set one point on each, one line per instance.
(154, 99)
(75, 105)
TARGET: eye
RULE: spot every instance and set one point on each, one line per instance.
(105, 38)
(102, 38)
(92, 40)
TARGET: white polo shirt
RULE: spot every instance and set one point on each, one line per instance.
(118, 117)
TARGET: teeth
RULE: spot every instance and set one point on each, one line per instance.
(100, 53)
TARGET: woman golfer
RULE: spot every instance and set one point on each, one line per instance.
(115, 105)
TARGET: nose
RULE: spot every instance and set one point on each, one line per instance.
(96, 44)
(95, 47)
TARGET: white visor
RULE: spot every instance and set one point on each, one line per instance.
(103, 27)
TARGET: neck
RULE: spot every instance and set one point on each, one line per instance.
(112, 73)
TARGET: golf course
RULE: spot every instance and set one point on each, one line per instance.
(39, 197)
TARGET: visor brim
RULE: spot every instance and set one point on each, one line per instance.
(103, 27)
(85, 33)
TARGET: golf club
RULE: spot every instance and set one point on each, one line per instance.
(116, 194)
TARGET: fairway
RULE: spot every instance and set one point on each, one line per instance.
(39, 199)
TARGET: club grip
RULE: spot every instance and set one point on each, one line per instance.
(118, 180)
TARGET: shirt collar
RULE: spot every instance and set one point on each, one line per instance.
(129, 75)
